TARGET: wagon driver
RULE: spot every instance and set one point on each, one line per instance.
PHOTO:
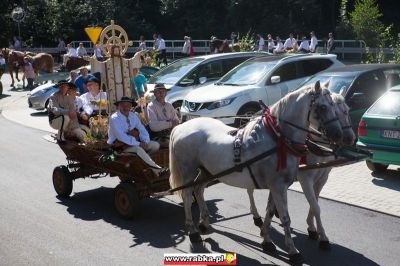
(128, 133)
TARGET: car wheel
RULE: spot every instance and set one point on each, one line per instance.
(247, 111)
(376, 167)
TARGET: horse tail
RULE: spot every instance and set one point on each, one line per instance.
(175, 179)
(51, 64)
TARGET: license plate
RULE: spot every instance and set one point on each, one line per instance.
(391, 134)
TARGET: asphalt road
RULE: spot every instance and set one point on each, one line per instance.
(37, 228)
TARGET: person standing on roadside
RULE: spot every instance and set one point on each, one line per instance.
(313, 42)
(261, 42)
(186, 46)
(29, 73)
(330, 46)
(162, 51)
(61, 48)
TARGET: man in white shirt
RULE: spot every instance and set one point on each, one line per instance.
(304, 46)
(97, 52)
(261, 42)
(313, 42)
(81, 51)
(128, 133)
(92, 99)
(279, 46)
(71, 52)
(161, 116)
(162, 51)
(289, 43)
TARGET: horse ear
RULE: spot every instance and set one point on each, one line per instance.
(317, 87)
(326, 84)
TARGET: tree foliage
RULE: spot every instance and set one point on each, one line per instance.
(365, 22)
(49, 19)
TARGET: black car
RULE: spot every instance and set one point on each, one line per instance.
(361, 84)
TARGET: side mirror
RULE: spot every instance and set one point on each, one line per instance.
(275, 79)
(202, 80)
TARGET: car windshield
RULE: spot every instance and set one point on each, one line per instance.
(387, 105)
(175, 71)
(249, 72)
(337, 84)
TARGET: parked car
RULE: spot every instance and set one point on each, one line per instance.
(266, 78)
(361, 84)
(38, 98)
(379, 131)
(184, 75)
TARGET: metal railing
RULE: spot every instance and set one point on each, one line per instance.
(345, 49)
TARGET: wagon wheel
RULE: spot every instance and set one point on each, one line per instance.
(113, 35)
(126, 200)
(62, 181)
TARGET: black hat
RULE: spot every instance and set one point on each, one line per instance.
(125, 99)
(92, 79)
(160, 86)
(65, 82)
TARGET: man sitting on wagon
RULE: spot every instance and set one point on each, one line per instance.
(92, 99)
(161, 116)
(128, 133)
(62, 114)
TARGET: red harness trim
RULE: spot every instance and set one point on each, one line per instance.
(283, 143)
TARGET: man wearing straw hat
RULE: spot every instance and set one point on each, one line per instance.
(161, 116)
(126, 132)
(62, 114)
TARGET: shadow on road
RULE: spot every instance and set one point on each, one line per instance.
(4, 96)
(389, 179)
(159, 223)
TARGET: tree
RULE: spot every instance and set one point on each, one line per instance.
(365, 22)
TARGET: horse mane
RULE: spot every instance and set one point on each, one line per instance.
(283, 104)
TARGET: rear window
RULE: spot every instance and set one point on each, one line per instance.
(387, 105)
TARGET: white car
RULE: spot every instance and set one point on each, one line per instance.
(186, 74)
(266, 78)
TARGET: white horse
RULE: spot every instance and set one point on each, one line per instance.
(312, 181)
(205, 144)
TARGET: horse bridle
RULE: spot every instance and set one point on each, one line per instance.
(312, 131)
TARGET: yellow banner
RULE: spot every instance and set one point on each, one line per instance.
(93, 33)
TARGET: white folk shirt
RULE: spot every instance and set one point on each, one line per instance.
(120, 125)
(160, 116)
(161, 45)
(87, 98)
(261, 44)
(271, 45)
(97, 53)
(313, 43)
(81, 51)
(279, 47)
(72, 52)
(289, 43)
(304, 45)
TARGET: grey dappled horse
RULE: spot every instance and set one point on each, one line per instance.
(205, 143)
(312, 181)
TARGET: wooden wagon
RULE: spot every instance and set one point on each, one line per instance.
(137, 180)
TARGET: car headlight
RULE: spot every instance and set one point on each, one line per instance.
(220, 103)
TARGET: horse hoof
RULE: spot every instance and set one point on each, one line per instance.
(195, 238)
(324, 245)
(258, 221)
(312, 235)
(296, 258)
(203, 229)
(268, 247)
